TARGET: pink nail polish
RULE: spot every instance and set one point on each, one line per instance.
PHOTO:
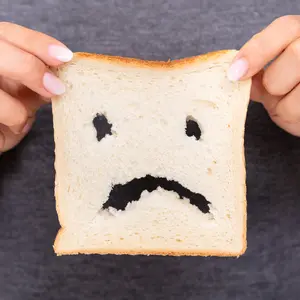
(27, 127)
(238, 69)
(53, 85)
(60, 53)
(2, 141)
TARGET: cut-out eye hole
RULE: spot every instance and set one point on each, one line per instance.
(192, 128)
(102, 126)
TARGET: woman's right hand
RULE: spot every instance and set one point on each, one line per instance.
(26, 82)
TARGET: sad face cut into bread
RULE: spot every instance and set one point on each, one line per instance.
(149, 157)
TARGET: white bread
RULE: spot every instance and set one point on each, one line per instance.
(147, 106)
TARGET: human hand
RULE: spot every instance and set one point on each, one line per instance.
(277, 87)
(26, 82)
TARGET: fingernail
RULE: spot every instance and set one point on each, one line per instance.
(16, 129)
(21, 129)
(2, 141)
(60, 53)
(237, 70)
(53, 84)
(27, 127)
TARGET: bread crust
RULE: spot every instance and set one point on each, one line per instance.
(164, 65)
(145, 252)
(135, 62)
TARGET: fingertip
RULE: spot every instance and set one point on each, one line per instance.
(238, 69)
(53, 84)
(60, 53)
(2, 142)
(28, 125)
(258, 91)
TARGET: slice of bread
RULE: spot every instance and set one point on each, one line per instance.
(150, 157)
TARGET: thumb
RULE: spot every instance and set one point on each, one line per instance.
(258, 91)
(264, 47)
(261, 95)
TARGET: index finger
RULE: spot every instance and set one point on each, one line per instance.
(51, 51)
(265, 46)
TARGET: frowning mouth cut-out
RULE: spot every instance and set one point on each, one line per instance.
(122, 194)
